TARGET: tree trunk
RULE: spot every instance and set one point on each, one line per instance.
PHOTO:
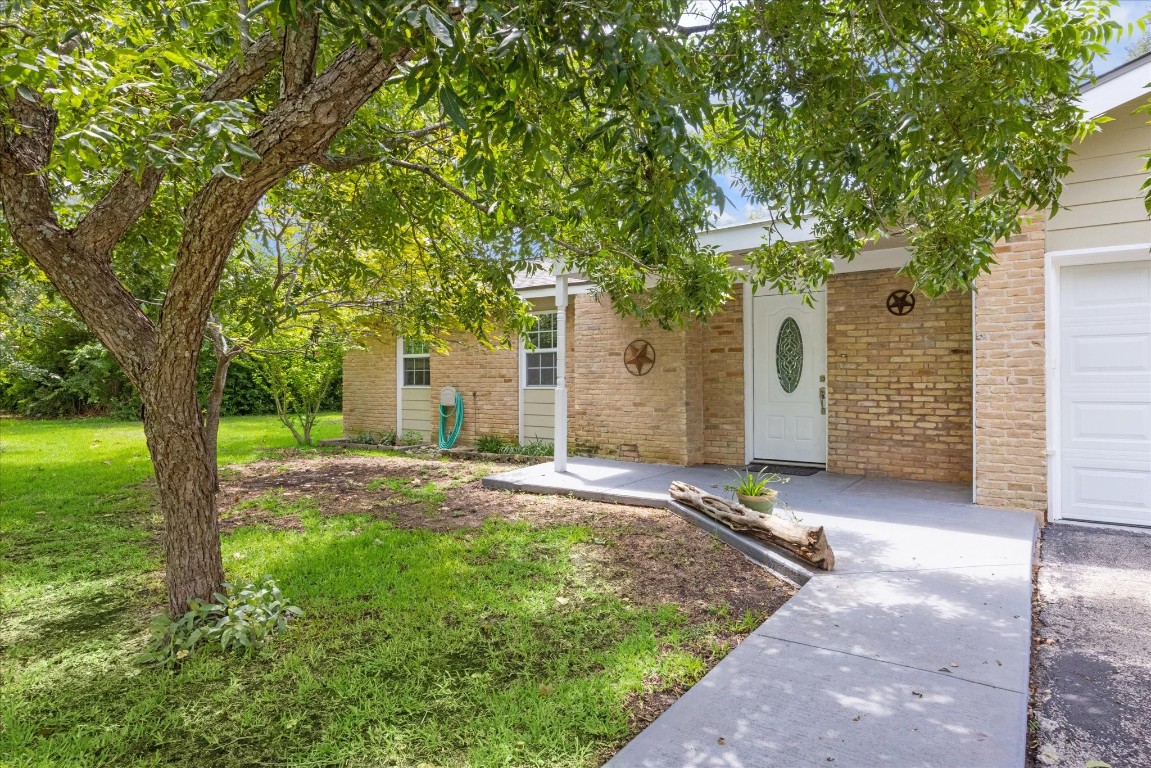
(212, 410)
(186, 476)
(807, 542)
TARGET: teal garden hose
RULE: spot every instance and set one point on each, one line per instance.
(449, 440)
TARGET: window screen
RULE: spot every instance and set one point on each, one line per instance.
(541, 358)
(417, 364)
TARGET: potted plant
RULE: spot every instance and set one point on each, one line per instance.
(753, 492)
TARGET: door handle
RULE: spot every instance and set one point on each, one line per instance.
(823, 401)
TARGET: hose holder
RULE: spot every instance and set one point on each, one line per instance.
(450, 398)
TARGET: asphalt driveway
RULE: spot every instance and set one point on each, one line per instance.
(1093, 676)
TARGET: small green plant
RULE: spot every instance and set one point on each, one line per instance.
(535, 448)
(491, 444)
(410, 490)
(387, 437)
(410, 437)
(754, 483)
(241, 619)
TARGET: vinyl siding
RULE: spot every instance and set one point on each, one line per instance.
(539, 413)
(417, 404)
(1103, 204)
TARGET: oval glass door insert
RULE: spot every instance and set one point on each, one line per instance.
(789, 355)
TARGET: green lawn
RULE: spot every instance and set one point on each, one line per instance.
(417, 648)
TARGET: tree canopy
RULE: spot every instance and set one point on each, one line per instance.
(446, 145)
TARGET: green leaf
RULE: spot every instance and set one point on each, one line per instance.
(437, 26)
(453, 107)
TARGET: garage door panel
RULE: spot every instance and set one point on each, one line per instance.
(1107, 288)
(1105, 393)
(1100, 352)
(1106, 491)
(1116, 423)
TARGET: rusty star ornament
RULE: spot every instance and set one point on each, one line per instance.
(639, 357)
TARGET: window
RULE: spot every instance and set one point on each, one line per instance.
(541, 355)
(789, 355)
(417, 364)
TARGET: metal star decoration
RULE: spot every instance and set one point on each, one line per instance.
(900, 302)
(639, 357)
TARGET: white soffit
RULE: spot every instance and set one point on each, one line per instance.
(1117, 87)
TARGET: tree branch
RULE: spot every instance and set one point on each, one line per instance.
(245, 35)
(436, 177)
(84, 277)
(301, 41)
(296, 131)
(121, 207)
(341, 164)
(420, 133)
(245, 72)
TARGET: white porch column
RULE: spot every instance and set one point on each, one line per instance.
(561, 406)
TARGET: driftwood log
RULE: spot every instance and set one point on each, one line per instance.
(806, 542)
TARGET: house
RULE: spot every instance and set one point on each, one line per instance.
(1035, 389)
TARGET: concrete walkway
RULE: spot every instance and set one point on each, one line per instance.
(913, 652)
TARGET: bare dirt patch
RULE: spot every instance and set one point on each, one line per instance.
(647, 556)
(650, 556)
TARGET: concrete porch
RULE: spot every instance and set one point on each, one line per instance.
(914, 651)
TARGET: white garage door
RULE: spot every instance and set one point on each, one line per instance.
(1105, 392)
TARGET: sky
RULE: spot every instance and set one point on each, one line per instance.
(739, 209)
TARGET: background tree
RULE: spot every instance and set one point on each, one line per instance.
(543, 129)
(298, 368)
(1141, 45)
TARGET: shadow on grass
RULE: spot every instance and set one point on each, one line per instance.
(479, 647)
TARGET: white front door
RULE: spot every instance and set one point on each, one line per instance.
(1105, 392)
(789, 366)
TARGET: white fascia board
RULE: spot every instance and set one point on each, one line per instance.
(877, 258)
(880, 258)
(1114, 92)
(549, 291)
(750, 234)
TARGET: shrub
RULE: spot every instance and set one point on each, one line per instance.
(491, 443)
(535, 448)
(241, 619)
(530, 448)
(387, 437)
(411, 437)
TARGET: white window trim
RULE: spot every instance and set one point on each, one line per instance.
(400, 378)
(520, 389)
(524, 351)
(1054, 262)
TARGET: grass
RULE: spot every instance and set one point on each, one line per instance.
(479, 647)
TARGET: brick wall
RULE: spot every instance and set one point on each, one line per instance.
(489, 380)
(370, 387)
(721, 376)
(899, 387)
(1010, 376)
(639, 418)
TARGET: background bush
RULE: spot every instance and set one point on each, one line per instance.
(53, 367)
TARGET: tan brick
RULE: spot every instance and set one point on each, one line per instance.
(911, 375)
(1010, 404)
